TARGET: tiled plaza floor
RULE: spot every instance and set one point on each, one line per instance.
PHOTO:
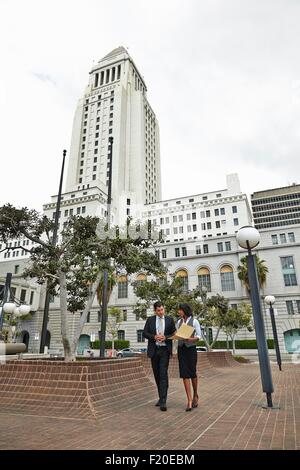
(228, 417)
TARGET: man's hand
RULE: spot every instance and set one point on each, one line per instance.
(159, 338)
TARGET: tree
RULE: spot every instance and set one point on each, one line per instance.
(74, 267)
(115, 318)
(237, 319)
(171, 292)
(262, 271)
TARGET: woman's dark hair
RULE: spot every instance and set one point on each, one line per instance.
(186, 309)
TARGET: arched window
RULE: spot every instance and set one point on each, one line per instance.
(122, 287)
(204, 278)
(227, 278)
(184, 276)
(140, 279)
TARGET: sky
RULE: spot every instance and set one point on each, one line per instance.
(223, 78)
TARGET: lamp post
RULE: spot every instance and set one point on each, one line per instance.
(270, 301)
(11, 305)
(248, 237)
(203, 295)
(105, 271)
(54, 240)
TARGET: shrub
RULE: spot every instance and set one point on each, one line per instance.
(119, 344)
(241, 359)
(239, 344)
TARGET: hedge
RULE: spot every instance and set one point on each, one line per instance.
(239, 344)
(118, 344)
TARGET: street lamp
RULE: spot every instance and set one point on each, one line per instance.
(105, 271)
(203, 295)
(248, 237)
(270, 301)
(10, 305)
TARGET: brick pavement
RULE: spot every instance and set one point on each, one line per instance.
(228, 416)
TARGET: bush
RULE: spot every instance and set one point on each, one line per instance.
(119, 344)
(239, 344)
(241, 359)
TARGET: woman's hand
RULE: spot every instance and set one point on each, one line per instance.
(192, 340)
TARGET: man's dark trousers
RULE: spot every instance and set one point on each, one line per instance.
(160, 363)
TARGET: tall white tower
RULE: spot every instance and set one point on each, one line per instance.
(115, 104)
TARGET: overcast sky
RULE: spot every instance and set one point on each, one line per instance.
(223, 78)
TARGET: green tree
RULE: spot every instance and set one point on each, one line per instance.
(74, 267)
(115, 318)
(262, 271)
(237, 319)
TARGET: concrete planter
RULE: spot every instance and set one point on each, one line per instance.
(12, 348)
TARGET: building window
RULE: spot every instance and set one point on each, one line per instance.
(182, 273)
(227, 278)
(234, 209)
(194, 228)
(202, 214)
(204, 278)
(220, 247)
(122, 287)
(124, 314)
(31, 297)
(222, 211)
(141, 279)
(290, 307)
(121, 335)
(274, 239)
(140, 336)
(291, 237)
(184, 252)
(288, 271)
(208, 225)
(174, 218)
(228, 246)
(218, 224)
(235, 221)
(203, 226)
(282, 238)
(207, 213)
(83, 210)
(298, 306)
(23, 295)
(198, 250)
(177, 252)
(194, 215)
(216, 212)
(17, 268)
(205, 249)
(164, 253)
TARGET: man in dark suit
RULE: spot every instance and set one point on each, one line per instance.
(158, 329)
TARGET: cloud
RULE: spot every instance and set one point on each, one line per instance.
(44, 78)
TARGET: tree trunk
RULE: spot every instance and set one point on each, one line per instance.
(112, 347)
(227, 343)
(216, 337)
(64, 319)
(84, 314)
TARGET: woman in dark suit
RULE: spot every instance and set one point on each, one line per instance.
(187, 355)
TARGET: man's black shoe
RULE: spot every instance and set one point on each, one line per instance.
(158, 403)
(163, 408)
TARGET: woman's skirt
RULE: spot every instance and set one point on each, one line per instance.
(187, 358)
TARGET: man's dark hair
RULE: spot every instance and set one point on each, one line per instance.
(157, 305)
(186, 309)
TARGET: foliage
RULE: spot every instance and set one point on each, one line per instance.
(119, 344)
(239, 343)
(262, 271)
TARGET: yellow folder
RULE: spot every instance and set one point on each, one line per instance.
(183, 332)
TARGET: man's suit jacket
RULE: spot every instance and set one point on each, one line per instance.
(150, 332)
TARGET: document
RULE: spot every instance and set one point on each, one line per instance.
(183, 332)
